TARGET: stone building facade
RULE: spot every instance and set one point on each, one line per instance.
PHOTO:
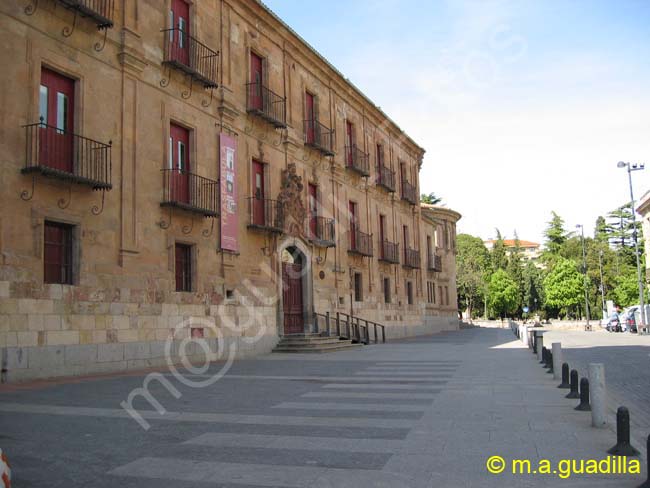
(176, 169)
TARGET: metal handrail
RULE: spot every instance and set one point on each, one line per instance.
(386, 177)
(101, 11)
(262, 101)
(64, 155)
(357, 160)
(319, 136)
(434, 262)
(190, 192)
(389, 252)
(325, 232)
(191, 56)
(270, 218)
(411, 258)
(361, 244)
(409, 193)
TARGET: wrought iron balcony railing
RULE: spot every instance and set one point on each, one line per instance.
(187, 54)
(100, 11)
(409, 193)
(265, 103)
(386, 178)
(190, 192)
(321, 231)
(434, 262)
(265, 215)
(411, 258)
(389, 252)
(360, 243)
(357, 160)
(66, 156)
(319, 137)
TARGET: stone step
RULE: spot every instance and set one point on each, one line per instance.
(316, 350)
(308, 340)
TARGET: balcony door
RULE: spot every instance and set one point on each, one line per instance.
(258, 193)
(179, 17)
(406, 239)
(353, 225)
(313, 211)
(257, 79)
(179, 163)
(310, 118)
(382, 227)
(56, 106)
(349, 142)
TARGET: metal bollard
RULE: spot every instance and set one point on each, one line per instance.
(623, 446)
(550, 363)
(540, 345)
(598, 394)
(647, 456)
(534, 343)
(574, 385)
(545, 358)
(584, 396)
(565, 377)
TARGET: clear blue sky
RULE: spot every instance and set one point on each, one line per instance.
(523, 106)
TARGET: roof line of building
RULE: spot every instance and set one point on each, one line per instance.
(337, 72)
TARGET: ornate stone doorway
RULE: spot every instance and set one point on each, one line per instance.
(292, 291)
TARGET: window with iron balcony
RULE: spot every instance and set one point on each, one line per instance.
(389, 252)
(434, 262)
(385, 176)
(411, 258)
(409, 193)
(185, 52)
(260, 99)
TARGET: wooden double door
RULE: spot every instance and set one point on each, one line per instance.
(292, 298)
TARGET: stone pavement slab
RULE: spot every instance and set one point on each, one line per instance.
(425, 412)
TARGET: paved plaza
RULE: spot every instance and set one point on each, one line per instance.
(627, 369)
(426, 412)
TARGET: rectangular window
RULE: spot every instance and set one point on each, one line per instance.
(430, 292)
(440, 295)
(57, 253)
(409, 293)
(358, 287)
(386, 290)
(42, 104)
(183, 268)
(61, 111)
(446, 295)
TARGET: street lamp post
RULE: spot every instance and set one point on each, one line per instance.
(584, 270)
(602, 285)
(630, 168)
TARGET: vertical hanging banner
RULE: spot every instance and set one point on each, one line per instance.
(228, 178)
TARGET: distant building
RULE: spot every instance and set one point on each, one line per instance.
(644, 211)
(530, 250)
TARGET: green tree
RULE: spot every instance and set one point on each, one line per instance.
(533, 291)
(431, 199)
(472, 268)
(563, 286)
(503, 293)
(555, 234)
(600, 231)
(498, 256)
(515, 269)
(626, 291)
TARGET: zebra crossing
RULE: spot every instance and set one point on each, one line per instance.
(310, 450)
